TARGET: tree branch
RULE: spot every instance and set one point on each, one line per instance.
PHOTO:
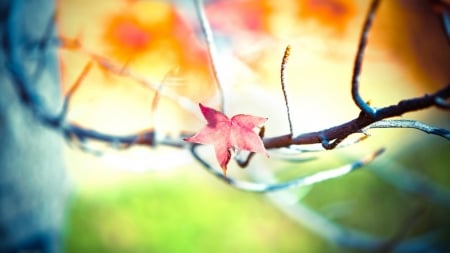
(213, 52)
(363, 120)
(357, 66)
(414, 124)
(297, 182)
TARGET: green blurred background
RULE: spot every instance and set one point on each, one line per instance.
(187, 210)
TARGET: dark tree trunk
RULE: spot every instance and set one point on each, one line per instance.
(32, 176)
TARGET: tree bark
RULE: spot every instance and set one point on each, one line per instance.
(32, 176)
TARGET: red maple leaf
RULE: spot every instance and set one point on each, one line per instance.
(226, 134)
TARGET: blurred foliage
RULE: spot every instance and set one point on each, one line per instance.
(187, 211)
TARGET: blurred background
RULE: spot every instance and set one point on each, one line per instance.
(158, 199)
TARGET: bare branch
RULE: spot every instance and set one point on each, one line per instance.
(347, 237)
(298, 182)
(362, 121)
(302, 149)
(338, 234)
(73, 89)
(213, 52)
(147, 138)
(14, 50)
(109, 65)
(402, 123)
(359, 61)
(407, 180)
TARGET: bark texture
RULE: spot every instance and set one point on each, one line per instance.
(32, 176)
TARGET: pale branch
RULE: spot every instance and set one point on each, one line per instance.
(73, 89)
(357, 66)
(297, 182)
(109, 65)
(341, 235)
(348, 237)
(300, 149)
(441, 103)
(212, 50)
(414, 124)
(292, 157)
(409, 181)
(445, 21)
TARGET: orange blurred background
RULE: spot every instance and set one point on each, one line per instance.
(161, 43)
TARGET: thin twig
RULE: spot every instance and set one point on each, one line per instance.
(110, 66)
(43, 44)
(73, 89)
(287, 52)
(357, 66)
(213, 52)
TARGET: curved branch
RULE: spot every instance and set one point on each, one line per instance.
(441, 103)
(298, 182)
(14, 51)
(407, 180)
(403, 123)
(73, 89)
(357, 66)
(148, 137)
(343, 236)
